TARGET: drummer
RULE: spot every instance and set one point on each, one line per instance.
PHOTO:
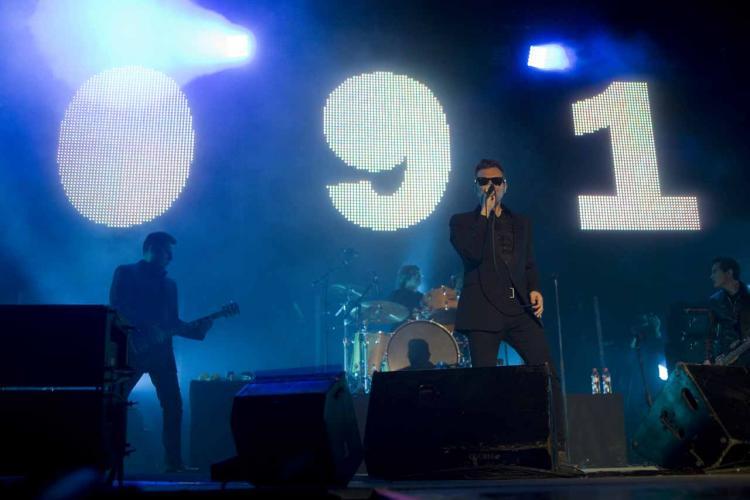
(407, 289)
(406, 294)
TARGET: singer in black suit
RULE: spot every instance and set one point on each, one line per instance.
(501, 298)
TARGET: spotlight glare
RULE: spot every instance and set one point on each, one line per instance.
(551, 57)
(663, 373)
(80, 38)
(237, 46)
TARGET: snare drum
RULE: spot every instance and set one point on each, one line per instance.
(421, 345)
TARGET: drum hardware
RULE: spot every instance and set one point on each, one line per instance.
(369, 347)
(368, 357)
(324, 289)
(429, 339)
(441, 304)
(341, 292)
(361, 312)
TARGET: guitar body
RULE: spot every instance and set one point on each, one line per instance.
(738, 353)
(153, 341)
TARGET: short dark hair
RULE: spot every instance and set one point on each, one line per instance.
(727, 263)
(486, 163)
(406, 273)
(159, 238)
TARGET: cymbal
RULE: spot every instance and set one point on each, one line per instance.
(346, 290)
(382, 311)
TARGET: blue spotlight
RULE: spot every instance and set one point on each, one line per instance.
(663, 373)
(551, 57)
(81, 38)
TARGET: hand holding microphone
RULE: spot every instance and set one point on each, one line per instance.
(489, 200)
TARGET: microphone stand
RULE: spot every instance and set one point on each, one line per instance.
(638, 339)
(563, 387)
(324, 322)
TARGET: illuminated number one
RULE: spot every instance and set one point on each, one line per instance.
(624, 109)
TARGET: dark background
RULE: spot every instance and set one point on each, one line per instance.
(255, 223)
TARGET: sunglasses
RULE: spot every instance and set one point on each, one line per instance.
(497, 181)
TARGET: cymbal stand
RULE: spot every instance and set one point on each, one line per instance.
(324, 281)
(362, 377)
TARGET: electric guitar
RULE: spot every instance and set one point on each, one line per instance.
(738, 348)
(142, 341)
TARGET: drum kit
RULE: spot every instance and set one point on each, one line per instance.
(389, 337)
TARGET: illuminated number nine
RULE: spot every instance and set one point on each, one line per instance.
(624, 109)
(375, 122)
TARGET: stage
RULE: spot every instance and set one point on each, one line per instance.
(620, 483)
(464, 244)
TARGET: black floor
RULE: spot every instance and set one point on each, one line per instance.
(624, 483)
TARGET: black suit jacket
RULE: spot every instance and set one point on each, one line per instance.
(146, 297)
(727, 325)
(480, 307)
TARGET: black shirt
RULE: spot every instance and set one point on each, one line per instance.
(504, 241)
(410, 299)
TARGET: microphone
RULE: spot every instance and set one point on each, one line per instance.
(492, 191)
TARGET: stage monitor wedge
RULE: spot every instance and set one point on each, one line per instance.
(296, 429)
(700, 420)
(447, 423)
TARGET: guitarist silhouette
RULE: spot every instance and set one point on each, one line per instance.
(147, 299)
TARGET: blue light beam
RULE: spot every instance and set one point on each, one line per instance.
(80, 38)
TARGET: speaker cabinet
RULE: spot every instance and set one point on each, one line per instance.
(296, 429)
(428, 423)
(701, 419)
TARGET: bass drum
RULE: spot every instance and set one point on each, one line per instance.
(421, 345)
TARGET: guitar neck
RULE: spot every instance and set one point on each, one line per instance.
(228, 310)
(212, 316)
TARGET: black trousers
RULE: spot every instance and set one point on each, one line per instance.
(527, 337)
(170, 399)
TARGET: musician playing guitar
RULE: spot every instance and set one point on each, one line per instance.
(730, 313)
(147, 299)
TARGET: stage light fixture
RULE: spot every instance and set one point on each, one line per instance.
(238, 46)
(126, 145)
(551, 57)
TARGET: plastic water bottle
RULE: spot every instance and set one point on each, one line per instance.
(606, 382)
(595, 382)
